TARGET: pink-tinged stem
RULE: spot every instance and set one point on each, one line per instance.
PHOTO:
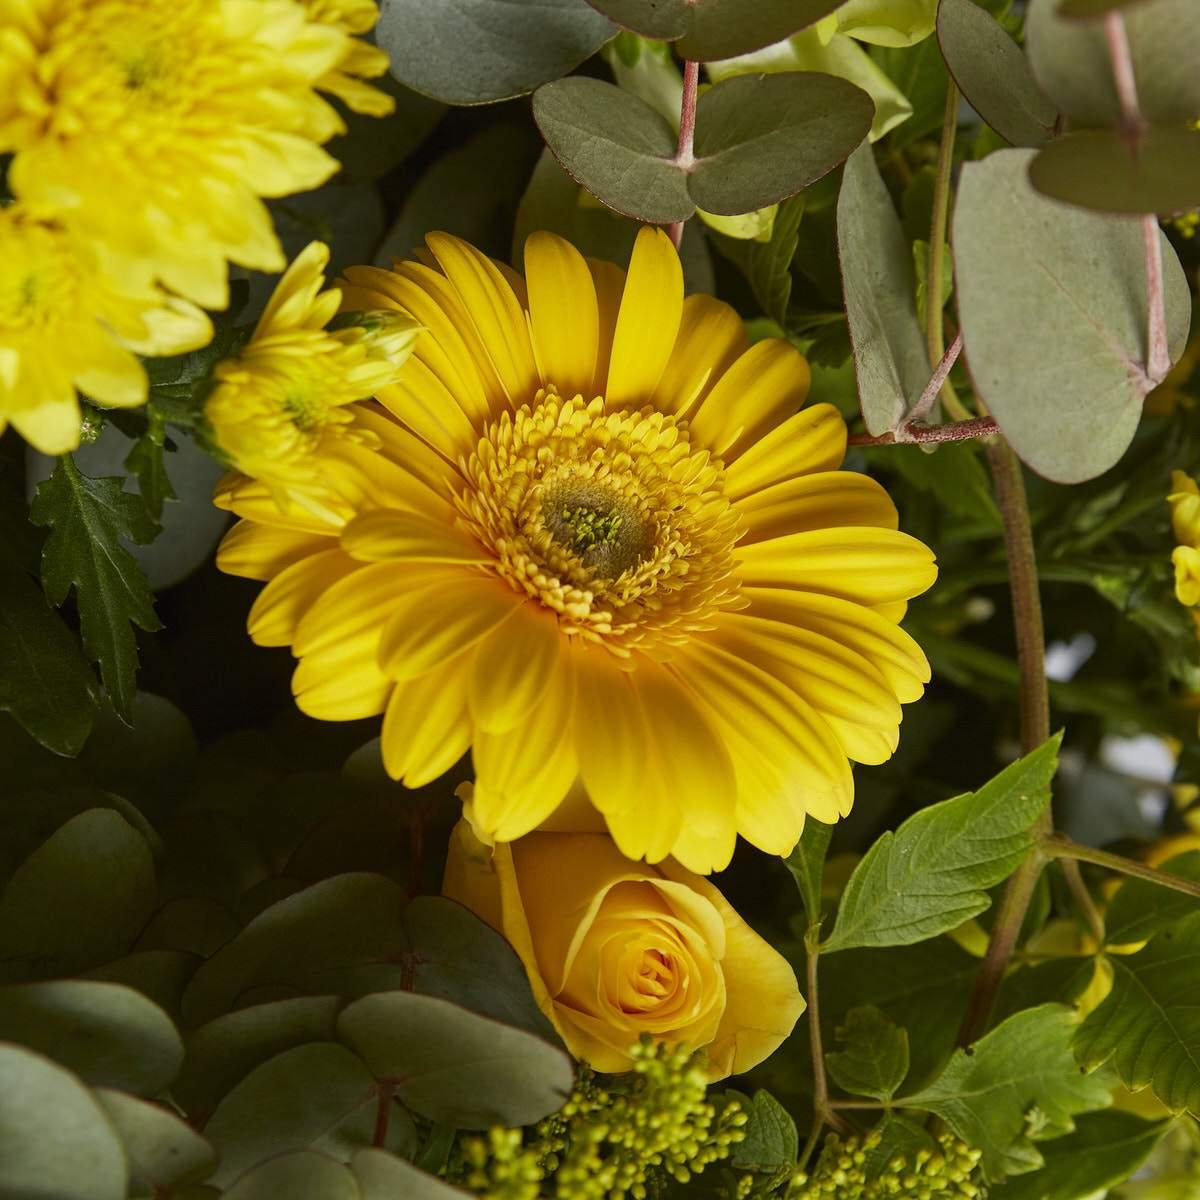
(685, 153)
(921, 409)
(1123, 73)
(955, 431)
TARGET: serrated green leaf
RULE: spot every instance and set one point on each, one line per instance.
(807, 865)
(88, 518)
(179, 383)
(1106, 1148)
(163, 1152)
(78, 900)
(106, 1034)
(875, 1059)
(891, 361)
(1051, 302)
(1149, 1024)
(55, 1140)
(1059, 981)
(303, 1176)
(1018, 1084)
(383, 1176)
(145, 462)
(933, 872)
(897, 1136)
(993, 73)
(453, 1066)
(471, 52)
(1140, 909)
(767, 265)
(771, 1143)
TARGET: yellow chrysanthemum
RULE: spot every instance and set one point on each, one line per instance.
(286, 394)
(361, 59)
(1184, 499)
(65, 324)
(155, 126)
(602, 542)
(1186, 560)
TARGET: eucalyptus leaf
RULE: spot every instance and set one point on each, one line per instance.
(106, 1034)
(383, 1176)
(874, 1060)
(891, 360)
(163, 1151)
(476, 52)
(987, 1095)
(453, 1066)
(1090, 9)
(55, 1139)
(1140, 909)
(993, 73)
(1052, 302)
(1097, 169)
(1149, 1024)
(933, 872)
(303, 1176)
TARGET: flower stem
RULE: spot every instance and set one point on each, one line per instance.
(684, 154)
(955, 431)
(1057, 846)
(823, 1113)
(924, 404)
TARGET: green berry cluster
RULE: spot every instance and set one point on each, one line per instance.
(621, 1141)
(843, 1172)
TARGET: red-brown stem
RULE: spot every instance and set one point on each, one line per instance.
(924, 404)
(383, 1114)
(955, 431)
(684, 154)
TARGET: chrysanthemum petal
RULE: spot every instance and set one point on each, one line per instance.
(390, 534)
(711, 338)
(296, 291)
(513, 667)
(651, 307)
(427, 727)
(872, 566)
(766, 385)
(256, 551)
(283, 603)
(825, 500)
(813, 440)
(439, 618)
(343, 684)
(563, 313)
(51, 426)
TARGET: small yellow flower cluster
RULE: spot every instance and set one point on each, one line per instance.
(1184, 499)
(144, 135)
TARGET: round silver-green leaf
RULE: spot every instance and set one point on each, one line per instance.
(303, 1176)
(162, 1150)
(383, 1176)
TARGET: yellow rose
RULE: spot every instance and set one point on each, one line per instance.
(1184, 499)
(615, 949)
(1187, 574)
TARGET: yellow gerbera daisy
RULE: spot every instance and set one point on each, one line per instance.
(600, 541)
(66, 324)
(155, 126)
(285, 394)
(361, 59)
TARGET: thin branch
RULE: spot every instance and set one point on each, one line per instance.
(1123, 74)
(383, 1114)
(1083, 899)
(1062, 847)
(684, 154)
(924, 404)
(955, 431)
(823, 1113)
(864, 1104)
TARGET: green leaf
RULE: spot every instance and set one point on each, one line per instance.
(373, 146)
(759, 139)
(767, 265)
(88, 518)
(453, 1066)
(993, 73)
(106, 1034)
(1059, 980)
(1140, 909)
(1098, 169)
(1051, 302)
(920, 258)
(55, 1140)
(1071, 62)
(382, 1176)
(1105, 1149)
(145, 461)
(875, 1059)
(1149, 1024)
(891, 361)
(303, 1176)
(933, 872)
(472, 52)
(163, 1152)
(78, 900)
(807, 865)
(771, 1143)
(716, 28)
(45, 682)
(1018, 1084)
(179, 383)
(299, 1099)
(920, 73)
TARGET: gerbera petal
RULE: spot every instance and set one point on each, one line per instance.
(651, 308)
(650, 827)
(813, 440)
(766, 385)
(427, 726)
(253, 500)
(609, 282)
(392, 534)
(282, 604)
(342, 684)
(421, 401)
(825, 500)
(872, 566)
(366, 479)
(439, 618)
(563, 312)
(256, 551)
(711, 337)
(404, 448)
(513, 667)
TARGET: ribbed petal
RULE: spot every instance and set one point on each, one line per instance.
(388, 534)
(284, 602)
(421, 401)
(711, 337)
(609, 281)
(513, 667)
(427, 727)
(563, 313)
(411, 453)
(825, 500)
(367, 479)
(256, 551)
(343, 684)
(812, 440)
(253, 501)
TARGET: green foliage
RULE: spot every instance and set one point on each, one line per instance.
(874, 1060)
(807, 863)
(769, 1143)
(145, 462)
(768, 265)
(931, 874)
(1140, 909)
(88, 518)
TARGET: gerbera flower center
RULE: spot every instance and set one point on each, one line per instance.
(611, 519)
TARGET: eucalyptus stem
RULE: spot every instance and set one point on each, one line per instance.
(684, 153)
(1060, 847)
(954, 431)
